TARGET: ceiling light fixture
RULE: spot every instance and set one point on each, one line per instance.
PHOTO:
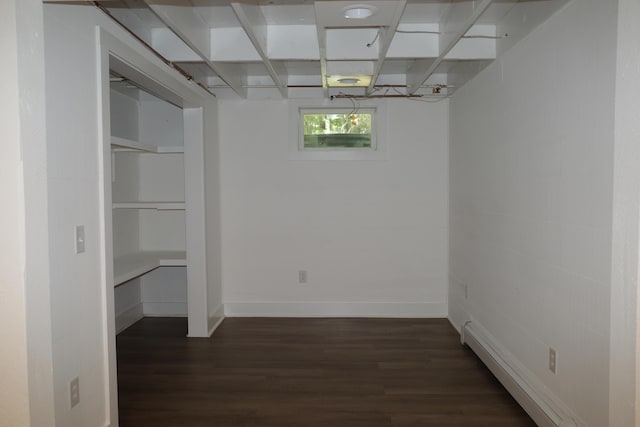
(359, 11)
(349, 80)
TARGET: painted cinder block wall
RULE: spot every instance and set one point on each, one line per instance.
(537, 217)
(372, 234)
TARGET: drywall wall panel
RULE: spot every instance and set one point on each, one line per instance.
(162, 230)
(124, 114)
(164, 292)
(160, 123)
(14, 394)
(127, 298)
(161, 177)
(625, 372)
(531, 196)
(76, 283)
(363, 231)
(31, 80)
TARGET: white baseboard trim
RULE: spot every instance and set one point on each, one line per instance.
(543, 408)
(128, 317)
(164, 309)
(334, 309)
(216, 319)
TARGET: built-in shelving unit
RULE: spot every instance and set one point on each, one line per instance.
(123, 144)
(134, 265)
(159, 206)
(149, 211)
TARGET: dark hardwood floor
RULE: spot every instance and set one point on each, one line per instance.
(307, 372)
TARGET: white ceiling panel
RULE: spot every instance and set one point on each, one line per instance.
(291, 14)
(293, 42)
(425, 12)
(302, 68)
(218, 16)
(352, 43)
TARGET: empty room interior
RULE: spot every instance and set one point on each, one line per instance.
(332, 212)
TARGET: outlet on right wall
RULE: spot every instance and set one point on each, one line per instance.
(531, 205)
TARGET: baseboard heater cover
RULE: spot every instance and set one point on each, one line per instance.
(535, 404)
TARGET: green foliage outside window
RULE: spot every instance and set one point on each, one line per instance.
(337, 130)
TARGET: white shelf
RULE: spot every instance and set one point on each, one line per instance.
(122, 144)
(160, 206)
(130, 266)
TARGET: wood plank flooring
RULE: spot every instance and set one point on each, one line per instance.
(273, 372)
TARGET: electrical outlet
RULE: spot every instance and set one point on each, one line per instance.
(74, 391)
(302, 276)
(552, 360)
(79, 235)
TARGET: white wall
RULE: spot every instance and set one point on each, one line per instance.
(531, 196)
(14, 393)
(625, 375)
(76, 289)
(127, 301)
(371, 234)
(25, 328)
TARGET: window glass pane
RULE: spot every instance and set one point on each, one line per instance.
(328, 130)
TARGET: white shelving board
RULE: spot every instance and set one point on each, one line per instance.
(122, 144)
(160, 206)
(130, 266)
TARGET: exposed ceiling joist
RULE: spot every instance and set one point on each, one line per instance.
(248, 48)
(462, 16)
(255, 25)
(386, 37)
(185, 22)
(322, 47)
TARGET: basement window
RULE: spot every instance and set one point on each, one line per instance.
(337, 129)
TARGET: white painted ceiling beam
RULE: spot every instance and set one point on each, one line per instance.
(384, 41)
(255, 25)
(462, 16)
(191, 28)
(322, 48)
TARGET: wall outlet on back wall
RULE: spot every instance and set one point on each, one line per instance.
(552, 360)
(302, 276)
(464, 288)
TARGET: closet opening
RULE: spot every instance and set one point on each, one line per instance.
(148, 198)
(152, 196)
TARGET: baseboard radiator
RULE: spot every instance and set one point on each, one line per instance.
(537, 406)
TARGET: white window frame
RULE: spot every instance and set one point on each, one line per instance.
(297, 151)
